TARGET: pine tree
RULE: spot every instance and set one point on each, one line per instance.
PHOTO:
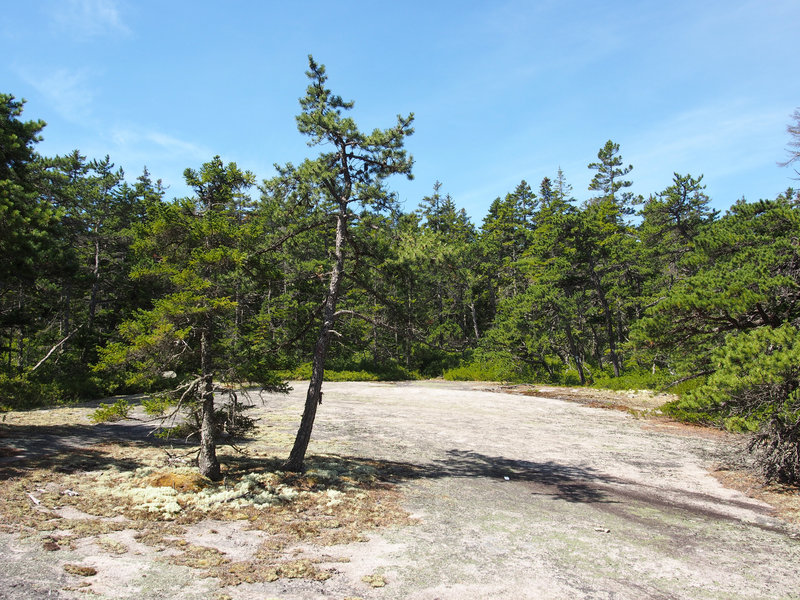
(607, 251)
(352, 171)
(506, 235)
(670, 222)
(27, 228)
(742, 271)
(198, 249)
(608, 179)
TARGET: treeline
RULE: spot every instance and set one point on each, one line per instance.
(108, 286)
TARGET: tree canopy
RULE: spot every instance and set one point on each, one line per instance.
(107, 286)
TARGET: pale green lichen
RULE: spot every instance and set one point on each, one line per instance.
(335, 497)
(169, 492)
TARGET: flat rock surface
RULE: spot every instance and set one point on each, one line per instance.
(514, 496)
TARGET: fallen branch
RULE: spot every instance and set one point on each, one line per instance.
(54, 348)
(688, 378)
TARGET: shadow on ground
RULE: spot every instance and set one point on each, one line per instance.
(568, 483)
(70, 448)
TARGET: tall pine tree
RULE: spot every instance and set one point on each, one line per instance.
(352, 170)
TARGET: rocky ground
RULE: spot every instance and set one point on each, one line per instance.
(414, 490)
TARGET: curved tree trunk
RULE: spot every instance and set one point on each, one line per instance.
(314, 394)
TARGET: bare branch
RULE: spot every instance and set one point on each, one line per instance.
(54, 348)
(688, 378)
(276, 245)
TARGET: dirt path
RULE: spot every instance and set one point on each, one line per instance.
(515, 497)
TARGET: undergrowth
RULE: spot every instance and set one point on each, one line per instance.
(350, 371)
(107, 413)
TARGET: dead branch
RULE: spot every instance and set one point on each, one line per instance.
(54, 348)
(687, 378)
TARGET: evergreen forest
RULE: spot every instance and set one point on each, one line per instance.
(108, 286)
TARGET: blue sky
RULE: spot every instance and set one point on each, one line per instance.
(501, 91)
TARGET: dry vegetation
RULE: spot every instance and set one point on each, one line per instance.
(98, 492)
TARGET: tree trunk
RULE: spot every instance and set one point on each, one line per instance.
(93, 299)
(95, 286)
(609, 321)
(314, 394)
(439, 312)
(207, 458)
(573, 349)
(409, 322)
(474, 321)
(67, 300)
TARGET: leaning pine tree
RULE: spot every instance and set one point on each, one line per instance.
(352, 170)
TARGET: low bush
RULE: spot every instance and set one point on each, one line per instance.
(634, 380)
(484, 370)
(353, 371)
(688, 413)
(754, 389)
(107, 413)
(21, 393)
(570, 377)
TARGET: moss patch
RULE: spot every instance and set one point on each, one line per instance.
(375, 580)
(80, 570)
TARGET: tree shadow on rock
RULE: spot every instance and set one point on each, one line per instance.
(68, 448)
(563, 482)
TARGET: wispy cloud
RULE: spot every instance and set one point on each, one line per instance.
(733, 136)
(89, 18)
(729, 142)
(143, 143)
(68, 92)
(166, 155)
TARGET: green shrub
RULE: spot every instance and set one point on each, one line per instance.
(20, 393)
(757, 387)
(157, 405)
(350, 376)
(487, 370)
(570, 377)
(635, 380)
(684, 387)
(107, 413)
(740, 424)
(182, 430)
(685, 412)
(299, 373)
(362, 371)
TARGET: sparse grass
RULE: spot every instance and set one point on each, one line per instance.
(80, 570)
(376, 580)
(199, 557)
